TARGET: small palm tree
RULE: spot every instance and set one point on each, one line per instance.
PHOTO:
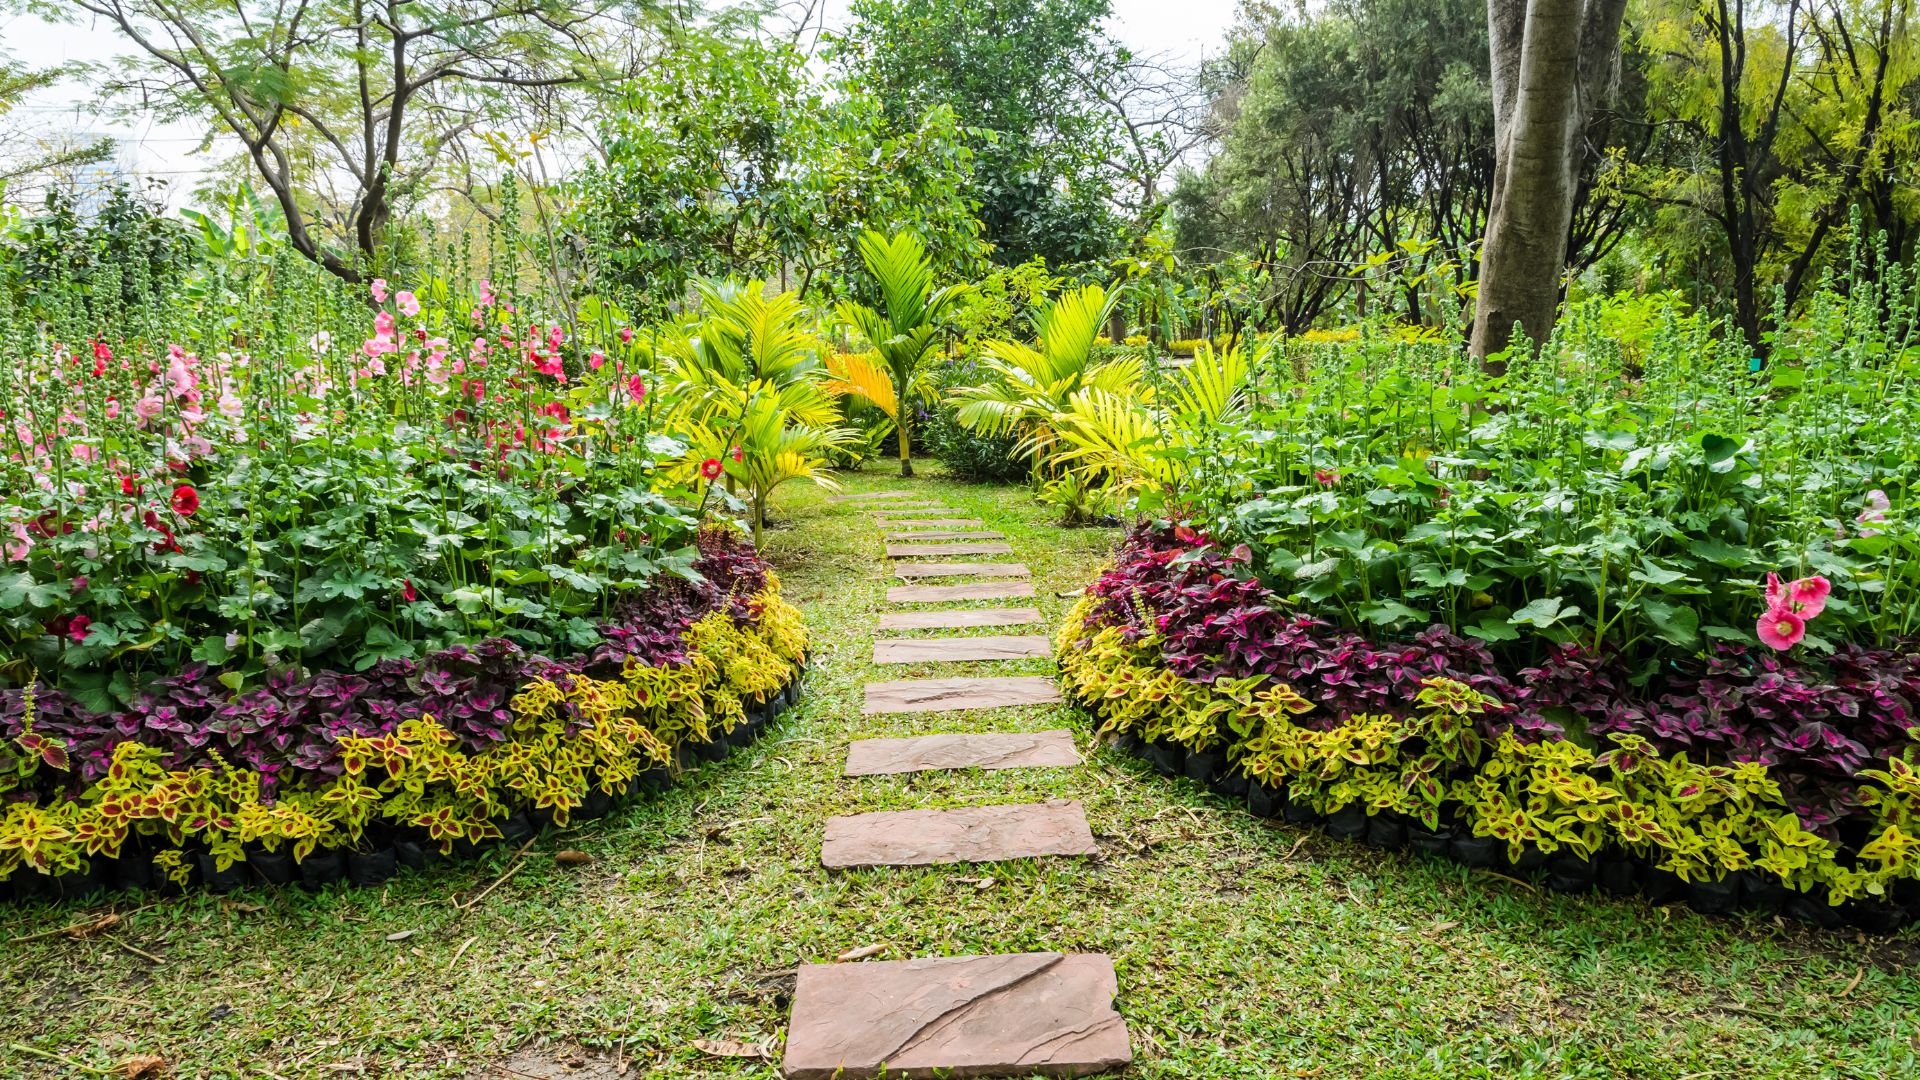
(1031, 387)
(903, 336)
(1126, 444)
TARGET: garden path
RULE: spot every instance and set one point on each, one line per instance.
(1043, 1013)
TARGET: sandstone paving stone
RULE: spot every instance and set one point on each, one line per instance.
(951, 695)
(967, 617)
(967, 750)
(1033, 1014)
(935, 523)
(956, 649)
(871, 496)
(982, 590)
(920, 551)
(969, 834)
(948, 534)
(961, 569)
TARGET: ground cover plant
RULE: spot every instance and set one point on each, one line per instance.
(288, 561)
(1624, 549)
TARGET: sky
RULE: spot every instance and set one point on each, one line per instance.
(1182, 30)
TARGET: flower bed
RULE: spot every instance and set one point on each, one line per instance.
(315, 775)
(1422, 740)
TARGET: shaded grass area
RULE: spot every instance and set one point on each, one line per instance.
(1244, 948)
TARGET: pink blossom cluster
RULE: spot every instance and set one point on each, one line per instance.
(1790, 606)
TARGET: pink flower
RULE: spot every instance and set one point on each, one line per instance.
(487, 299)
(1776, 592)
(408, 304)
(77, 629)
(80, 583)
(636, 390)
(383, 324)
(147, 407)
(1781, 630)
(594, 360)
(230, 406)
(1326, 477)
(22, 543)
(379, 290)
(84, 452)
(626, 335)
(320, 342)
(1875, 512)
(1808, 596)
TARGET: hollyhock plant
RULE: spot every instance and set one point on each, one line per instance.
(185, 500)
(1780, 629)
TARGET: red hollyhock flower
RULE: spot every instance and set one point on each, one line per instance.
(77, 629)
(128, 487)
(407, 591)
(737, 455)
(185, 500)
(710, 468)
(167, 542)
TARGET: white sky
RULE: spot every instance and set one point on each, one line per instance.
(1183, 29)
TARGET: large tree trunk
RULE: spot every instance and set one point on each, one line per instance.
(1554, 65)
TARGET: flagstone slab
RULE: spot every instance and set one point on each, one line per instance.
(935, 523)
(955, 649)
(982, 590)
(984, 750)
(961, 569)
(949, 534)
(951, 695)
(885, 518)
(969, 834)
(869, 496)
(920, 551)
(1030, 1014)
(945, 620)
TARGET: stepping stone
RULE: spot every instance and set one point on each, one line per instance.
(930, 650)
(942, 620)
(970, 834)
(867, 496)
(936, 523)
(984, 590)
(995, 750)
(952, 695)
(1030, 1014)
(947, 535)
(961, 569)
(916, 551)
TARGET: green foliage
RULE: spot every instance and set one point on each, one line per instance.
(906, 331)
(1016, 74)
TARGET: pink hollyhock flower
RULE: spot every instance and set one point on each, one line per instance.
(22, 543)
(626, 335)
(84, 452)
(230, 406)
(594, 360)
(487, 299)
(383, 324)
(113, 408)
(1808, 596)
(147, 407)
(79, 584)
(1781, 629)
(408, 304)
(77, 629)
(1776, 592)
(636, 390)
(1875, 511)
(1326, 477)
(320, 342)
(379, 290)
(710, 468)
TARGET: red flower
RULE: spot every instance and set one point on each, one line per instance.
(710, 468)
(167, 542)
(185, 500)
(128, 487)
(407, 592)
(77, 629)
(737, 456)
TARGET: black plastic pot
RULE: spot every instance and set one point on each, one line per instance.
(221, 881)
(1127, 743)
(1263, 801)
(1386, 832)
(1875, 916)
(1531, 859)
(1760, 891)
(715, 749)
(1661, 886)
(1618, 877)
(1570, 873)
(133, 870)
(369, 869)
(1167, 758)
(594, 804)
(1433, 842)
(1813, 908)
(270, 867)
(1231, 783)
(1476, 850)
(742, 733)
(322, 868)
(540, 817)
(1713, 897)
(416, 854)
(1298, 812)
(517, 829)
(658, 778)
(1201, 766)
(1347, 823)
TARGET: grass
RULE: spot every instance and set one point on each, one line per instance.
(1244, 948)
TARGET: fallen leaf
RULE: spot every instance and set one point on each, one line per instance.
(143, 1067)
(861, 953)
(1854, 983)
(402, 935)
(728, 1048)
(984, 883)
(1438, 927)
(571, 857)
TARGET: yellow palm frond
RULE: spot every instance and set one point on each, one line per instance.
(863, 376)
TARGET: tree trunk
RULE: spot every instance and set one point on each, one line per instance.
(1554, 64)
(906, 462)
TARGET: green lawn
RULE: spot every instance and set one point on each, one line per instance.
(1244, 948)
